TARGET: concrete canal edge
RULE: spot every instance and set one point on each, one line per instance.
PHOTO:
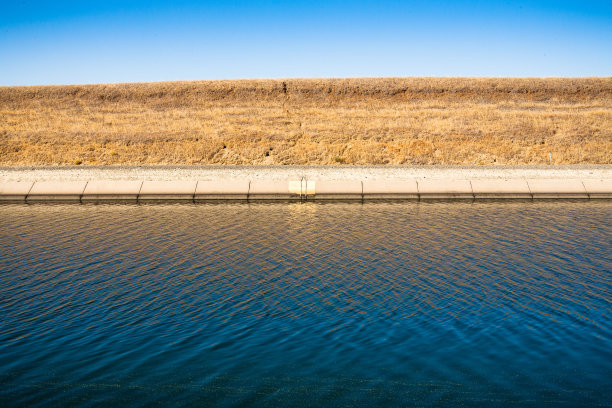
(304, 189)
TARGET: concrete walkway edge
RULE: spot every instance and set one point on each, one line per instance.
(415, 189)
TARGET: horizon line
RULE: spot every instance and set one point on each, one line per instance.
(306, 78)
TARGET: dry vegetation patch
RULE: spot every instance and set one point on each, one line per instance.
(310, 121)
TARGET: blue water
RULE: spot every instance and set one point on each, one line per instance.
(302, 304)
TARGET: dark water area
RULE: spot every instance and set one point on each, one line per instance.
(306, 305)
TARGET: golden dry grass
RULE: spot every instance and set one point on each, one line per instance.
(310, 121)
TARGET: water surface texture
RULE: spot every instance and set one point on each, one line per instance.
(303, 304)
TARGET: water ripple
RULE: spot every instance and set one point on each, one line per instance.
(302, 304)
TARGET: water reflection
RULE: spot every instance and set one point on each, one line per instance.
(306, 304)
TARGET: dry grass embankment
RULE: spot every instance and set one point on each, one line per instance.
(310, 121)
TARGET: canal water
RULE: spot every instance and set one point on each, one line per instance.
(306, 304)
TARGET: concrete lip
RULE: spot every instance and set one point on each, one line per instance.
(303, 189)
(557, 188)
(57, 190)
(15, 190)
(435, 189)
(273, 190)
(384, 189)
(112, 190)
(222, 190)
(167, 190)
(598, 188)
(308, 187)
(501, 188)
(342, 190)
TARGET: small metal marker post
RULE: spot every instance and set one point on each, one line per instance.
(550, 158)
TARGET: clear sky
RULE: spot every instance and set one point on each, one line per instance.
(69, 42)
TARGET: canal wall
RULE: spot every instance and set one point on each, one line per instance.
(304, 189)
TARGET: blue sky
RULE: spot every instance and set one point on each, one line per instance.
(70, 42)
